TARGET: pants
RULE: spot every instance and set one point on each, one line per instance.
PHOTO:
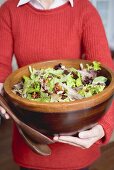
(21, 168)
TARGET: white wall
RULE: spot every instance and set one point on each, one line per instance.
(1, 1)
(106, 10)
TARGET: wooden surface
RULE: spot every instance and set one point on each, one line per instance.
(6, 162)
(106, 162)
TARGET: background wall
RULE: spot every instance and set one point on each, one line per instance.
(105, 9)
(1, 1)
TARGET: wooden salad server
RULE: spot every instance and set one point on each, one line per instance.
(30, 135)
(38, 148)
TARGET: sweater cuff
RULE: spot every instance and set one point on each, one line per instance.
(108, 133)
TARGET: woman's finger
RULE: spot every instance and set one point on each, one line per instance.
(3, 113)
(96, 131)
(2, 110)
(84, 143)
(67, 142)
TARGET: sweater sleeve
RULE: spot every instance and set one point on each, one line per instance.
(6, 43)
(95, 47)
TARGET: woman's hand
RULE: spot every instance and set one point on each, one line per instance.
(2, 110)
(86, 138)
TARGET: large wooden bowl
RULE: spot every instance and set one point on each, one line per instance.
(60, 118)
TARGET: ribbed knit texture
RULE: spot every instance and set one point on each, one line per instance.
(61, 33)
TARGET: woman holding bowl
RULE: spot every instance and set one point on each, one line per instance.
(40, 30)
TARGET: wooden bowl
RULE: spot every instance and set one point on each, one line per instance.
(60, 118)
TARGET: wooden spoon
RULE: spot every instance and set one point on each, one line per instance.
(41, 149)
(30, 132)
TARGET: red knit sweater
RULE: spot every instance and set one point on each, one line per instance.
(62, 33)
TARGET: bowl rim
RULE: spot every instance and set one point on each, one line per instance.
(60, 106)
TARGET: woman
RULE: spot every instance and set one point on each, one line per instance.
(34, 32)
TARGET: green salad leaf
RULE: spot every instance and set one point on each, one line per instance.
(61, 83)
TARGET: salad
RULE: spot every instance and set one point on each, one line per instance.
(61, 83)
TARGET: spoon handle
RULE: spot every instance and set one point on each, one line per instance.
(41, 149)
